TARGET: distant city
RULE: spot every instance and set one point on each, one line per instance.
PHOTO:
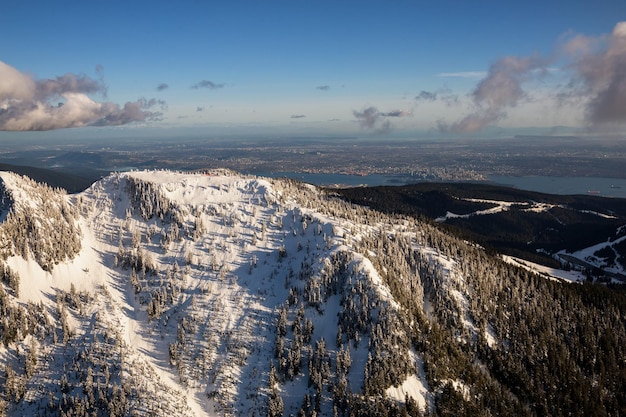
(331, 161)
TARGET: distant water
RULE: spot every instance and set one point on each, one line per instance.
(338, 179)
(605, 187)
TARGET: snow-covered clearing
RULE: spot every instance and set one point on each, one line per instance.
(415, 386)
(551, 273)
(499, 207)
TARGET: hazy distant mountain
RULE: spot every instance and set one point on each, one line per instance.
(70, 182)
(163, 293)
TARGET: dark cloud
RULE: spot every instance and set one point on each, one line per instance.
(396, 113)
(297, 116)
(503, 85)
(426, 96)
(372, 119)
(368, 117)
(443, 95)
(449, 99)
(207, 84)
(154, 102)
(100, 71)
(115, 115)
(323, 87)
(162, 87)
(68, 83)
(63, 102)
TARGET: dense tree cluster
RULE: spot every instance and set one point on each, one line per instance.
(61, 373)
(554, 347)
(10, 278)
(44, 227)
(149, 202)
(550, 348)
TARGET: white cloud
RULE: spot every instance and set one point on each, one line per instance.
(62, 102)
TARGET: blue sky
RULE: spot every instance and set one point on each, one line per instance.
(302, 67)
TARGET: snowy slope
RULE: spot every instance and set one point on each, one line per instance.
(214, 293)
(188, 274)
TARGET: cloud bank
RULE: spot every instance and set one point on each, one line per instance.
(600, 73)
(499, 90)
(595, 66)
(63, 102)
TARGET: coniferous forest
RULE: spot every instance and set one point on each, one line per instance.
(164, 293)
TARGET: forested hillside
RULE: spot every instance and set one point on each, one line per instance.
(179, 294)
(574, 231)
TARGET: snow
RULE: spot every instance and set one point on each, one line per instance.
(415, 386)
(490, 335)
(246, 322)
(537, 207)
(595, 213)
(499, 207)
(551, 273)
(461, 388)
(367, 269)
(587, 254)
(42, 285)
(234, 285)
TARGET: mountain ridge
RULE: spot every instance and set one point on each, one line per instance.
(238, 295)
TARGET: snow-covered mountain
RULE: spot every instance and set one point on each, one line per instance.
(179, 294)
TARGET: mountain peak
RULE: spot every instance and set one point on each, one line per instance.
(239, 295)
